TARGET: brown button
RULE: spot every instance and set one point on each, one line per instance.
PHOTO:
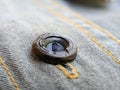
(54, 48)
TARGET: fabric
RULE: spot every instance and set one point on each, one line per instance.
(98, 58)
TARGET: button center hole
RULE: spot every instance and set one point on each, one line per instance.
(55, 46)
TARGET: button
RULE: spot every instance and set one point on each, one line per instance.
(54, 48)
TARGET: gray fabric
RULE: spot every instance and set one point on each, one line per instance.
(21, 21)
(107, 16)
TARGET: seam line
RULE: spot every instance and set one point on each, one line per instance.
(92, 24)
(9, 74)
(77, 26)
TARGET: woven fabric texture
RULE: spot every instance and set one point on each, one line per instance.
(98, 58)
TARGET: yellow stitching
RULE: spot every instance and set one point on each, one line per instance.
(66, 73)
(9, 74)
(80, 28)
(75, 14)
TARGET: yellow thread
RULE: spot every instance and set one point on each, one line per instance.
(66, 73)
(9, 74)
(75, 14)
(80, 28)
